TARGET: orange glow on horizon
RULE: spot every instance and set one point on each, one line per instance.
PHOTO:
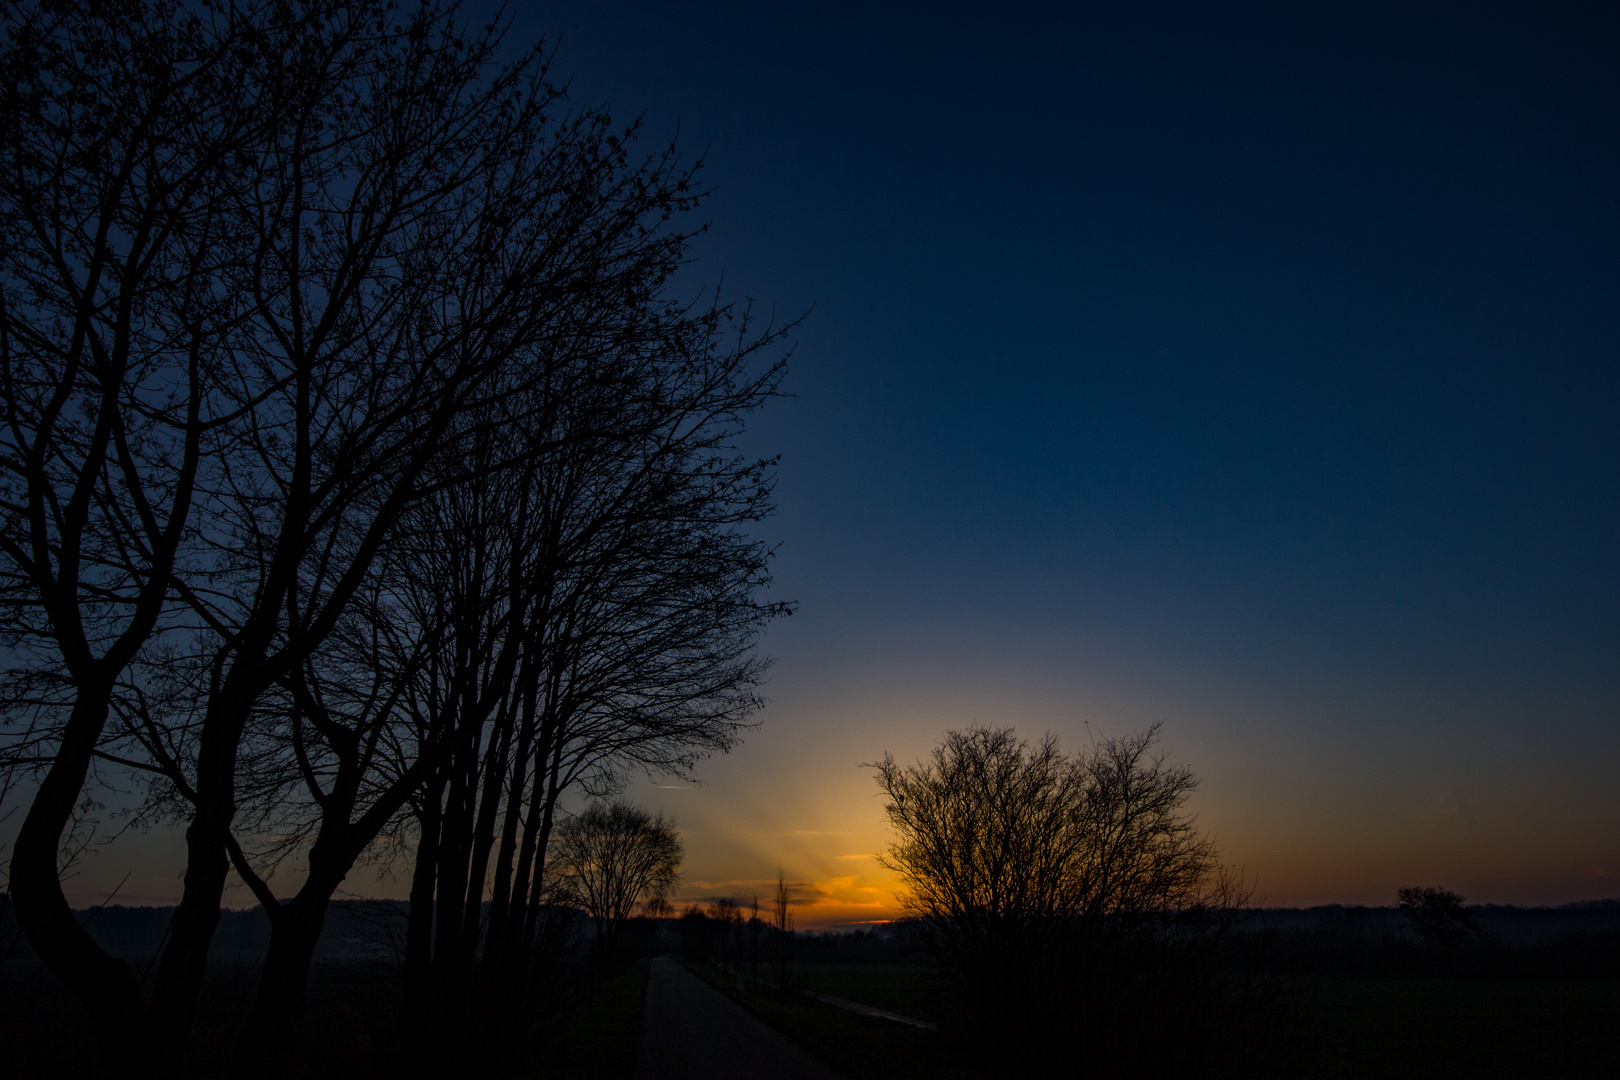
(846, 902)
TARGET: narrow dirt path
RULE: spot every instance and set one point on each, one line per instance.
(691, 1031)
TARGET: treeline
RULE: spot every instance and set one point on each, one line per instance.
(355, 929)
(888, 946)
(1576, 941)
(365, 489)
(746, 939)
(1569, 941)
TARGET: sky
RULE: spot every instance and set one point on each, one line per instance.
(1250, 368)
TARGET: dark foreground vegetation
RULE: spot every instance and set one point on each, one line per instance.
(1351, 992)
(1344, 992)
(582, 1021)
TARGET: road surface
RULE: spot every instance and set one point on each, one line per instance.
(691, 1031)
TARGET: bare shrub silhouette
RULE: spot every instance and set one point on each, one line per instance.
(612, 856)
(1067, 893)
(1011, 853)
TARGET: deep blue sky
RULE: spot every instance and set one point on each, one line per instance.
(1301, 321)
(1253, 368)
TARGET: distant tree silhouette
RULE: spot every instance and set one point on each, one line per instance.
(695, 934)
(781, 931)
(1440, 918)
(614, 855)
(726, 920)
(755, 926)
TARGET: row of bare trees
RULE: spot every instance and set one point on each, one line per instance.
(361, 483)
(731, 937)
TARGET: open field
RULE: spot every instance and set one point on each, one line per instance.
(1434, 1028)
(1394, 1027)
(350, 1029)
(597, 1039)
(1349, 1025)
(910, 990)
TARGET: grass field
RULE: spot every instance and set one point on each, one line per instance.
(907, 990)
(1463, 1028)
(1366, 1028)
(596, 1040)
(1375, 1028)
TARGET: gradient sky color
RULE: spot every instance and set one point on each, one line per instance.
(1254, 368)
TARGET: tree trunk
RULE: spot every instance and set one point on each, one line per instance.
(270, 1038)
(105, 984)
(530, 865)
(455, 838)
(531, 922)
(191, 931)
(483, 837)
(501, 1015)
(418, 967)
(500, 897)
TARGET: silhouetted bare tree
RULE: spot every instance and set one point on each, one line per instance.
(612, 855)
(145, 393)
(781, 931)
(756, 926)
(278, 275)
(696, 930)
(606, 623)
(1024, 865)
(1008, 850)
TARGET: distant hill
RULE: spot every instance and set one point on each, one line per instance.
(355, 929)
(1509, 924)
(375, 929)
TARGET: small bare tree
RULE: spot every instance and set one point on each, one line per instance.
(755, 925)
(613, 855)
(725, 919)
(782, 930)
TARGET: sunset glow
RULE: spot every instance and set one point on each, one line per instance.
(1159, 369)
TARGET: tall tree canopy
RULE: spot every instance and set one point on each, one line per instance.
(302, 304)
